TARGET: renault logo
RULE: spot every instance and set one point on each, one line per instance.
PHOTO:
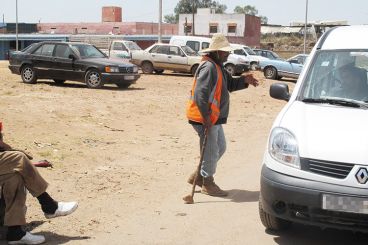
(362, 175)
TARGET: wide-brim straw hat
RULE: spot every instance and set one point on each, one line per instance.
(218, 43)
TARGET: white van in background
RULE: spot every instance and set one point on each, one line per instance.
(249, 54)
(235, 64)
(121, 49)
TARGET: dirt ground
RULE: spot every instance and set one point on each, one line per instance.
(125, 156)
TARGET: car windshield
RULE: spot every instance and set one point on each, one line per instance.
(132, 46)
(337, 75)
(88, 51)
(250, 51)
(189, 51)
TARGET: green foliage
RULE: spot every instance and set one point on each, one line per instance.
(170, 19)
(247, 9)
(188, 6)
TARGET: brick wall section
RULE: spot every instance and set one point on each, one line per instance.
(123, 28)
(252, 31)
(111, 14)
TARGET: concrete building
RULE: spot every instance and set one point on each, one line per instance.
(238, 28)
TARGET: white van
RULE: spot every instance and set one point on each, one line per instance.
(249, 55)
(122, 49)
(235, 64)
(315, 167)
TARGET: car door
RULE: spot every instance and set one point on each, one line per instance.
(177, 59)
(42, 60)
(63, 63)
(159, 56)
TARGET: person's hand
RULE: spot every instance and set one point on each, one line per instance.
(249, 79)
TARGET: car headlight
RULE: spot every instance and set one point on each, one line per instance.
(111, 69)
(135, 69)
(283, 147)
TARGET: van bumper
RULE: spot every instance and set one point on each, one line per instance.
(300, 200)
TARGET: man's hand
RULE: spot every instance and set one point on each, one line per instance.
(249, 79)
(4, 146)
(207, 123)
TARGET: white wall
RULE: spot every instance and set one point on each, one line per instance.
(203, 19)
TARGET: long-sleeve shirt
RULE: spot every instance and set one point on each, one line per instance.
(206, 81)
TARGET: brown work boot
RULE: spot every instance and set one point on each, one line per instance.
(210, 188)
(199, 181)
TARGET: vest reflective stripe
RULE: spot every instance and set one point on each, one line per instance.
(214, 100)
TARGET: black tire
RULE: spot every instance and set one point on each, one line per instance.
(123, 85)
(231, 69)
(253, 66)
(159, 72)
(58, 81)
(93, 79)
(147, 67)
(28, 74)
(270, 72)
(193, 70)
(271, 222)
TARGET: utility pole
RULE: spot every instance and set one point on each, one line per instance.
(193, 9)
(16, 24)
(160, 22)
(305, 24)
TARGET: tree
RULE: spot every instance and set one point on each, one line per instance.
(251, 10)
(186, 7)
(170, 19)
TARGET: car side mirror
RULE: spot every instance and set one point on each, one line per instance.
(280, 91)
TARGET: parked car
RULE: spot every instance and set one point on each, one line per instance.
(121, 49)
(315, 167)
(236, 63)
(249, 55)
(161, 56)
(267, 54)
(63, 61)
(276, 69)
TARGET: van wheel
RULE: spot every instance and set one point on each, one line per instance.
(194, 70)
(28, 74)
(159, 71)
(231, 69)
(272, 222)
(147, 67)
(270, 72)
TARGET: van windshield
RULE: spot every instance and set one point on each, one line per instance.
(249, 50)
(132, 46)
(337, 75)
(189, 51)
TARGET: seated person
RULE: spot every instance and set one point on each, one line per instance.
(352, 83)
(16, 175)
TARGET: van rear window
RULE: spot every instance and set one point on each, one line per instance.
(193, 45)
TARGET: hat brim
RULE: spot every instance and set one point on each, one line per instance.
(225, 49)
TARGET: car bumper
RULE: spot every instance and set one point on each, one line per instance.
(14, 69)
(240, 68)
(119, 78)
(300, 200)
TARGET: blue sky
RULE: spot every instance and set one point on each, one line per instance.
(278, 11)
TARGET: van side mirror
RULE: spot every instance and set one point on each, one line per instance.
(280, 91)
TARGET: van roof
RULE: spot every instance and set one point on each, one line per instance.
(346, 37)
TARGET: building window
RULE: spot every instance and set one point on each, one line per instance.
(188, 28)
(231, 28)
(213, 28)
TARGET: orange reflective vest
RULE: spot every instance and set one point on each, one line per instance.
(193, 113)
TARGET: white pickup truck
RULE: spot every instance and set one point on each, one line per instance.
(121, 49)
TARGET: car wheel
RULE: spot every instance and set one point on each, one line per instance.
(123, 85)
(93, 79)
(28, 74)
(272, 222)
(194, 70)
(253, 66)
(58, 81)
(159, 71)
(147, 67)
(231, 69)
(270, 72)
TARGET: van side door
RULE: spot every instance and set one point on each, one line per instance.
(119, 50)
